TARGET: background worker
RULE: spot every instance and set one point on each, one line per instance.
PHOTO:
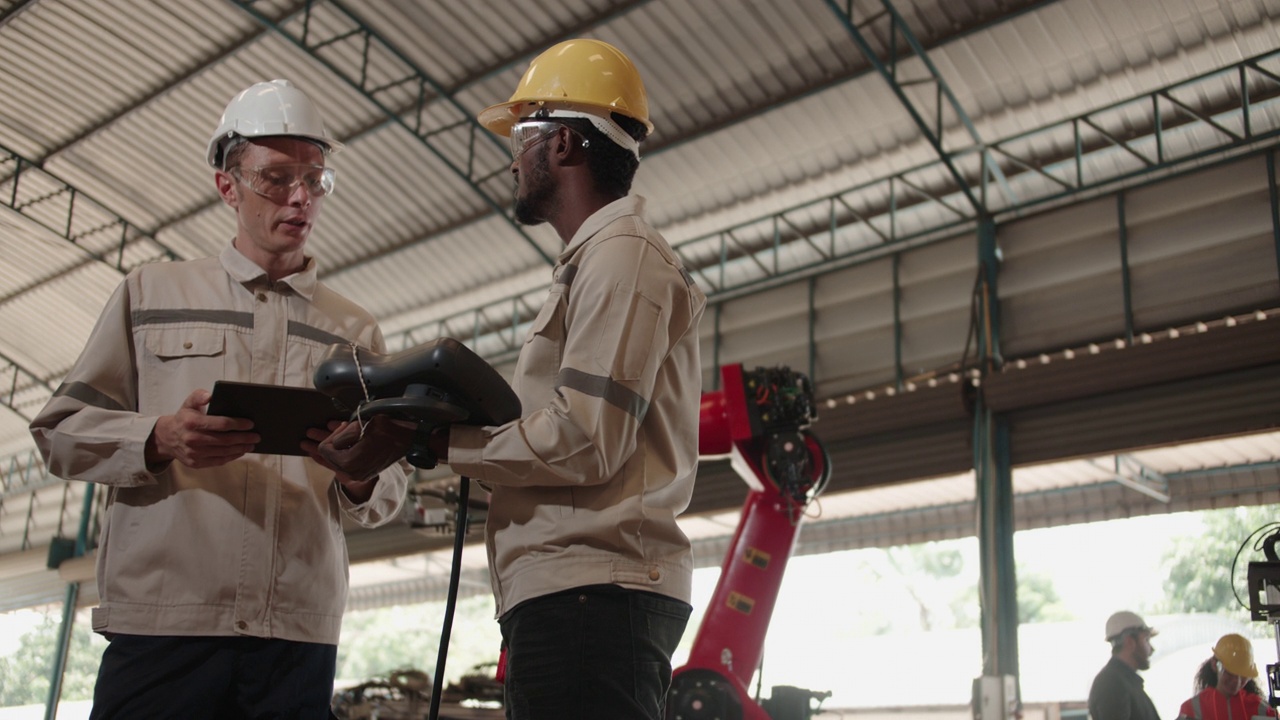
(1117, 692)
(222, 573)
(1224, 685)
(591, 575)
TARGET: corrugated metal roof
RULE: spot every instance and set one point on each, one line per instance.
(758, 106)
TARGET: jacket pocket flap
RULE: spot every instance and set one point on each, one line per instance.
(186, 342)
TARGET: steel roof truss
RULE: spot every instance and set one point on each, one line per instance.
(374, 50)
(943, 97)
(1135, 475)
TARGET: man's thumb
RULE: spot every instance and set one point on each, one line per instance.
(197, 399)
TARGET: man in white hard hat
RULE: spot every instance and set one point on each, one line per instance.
(222, 573)
(1117, 692)
(591, 574)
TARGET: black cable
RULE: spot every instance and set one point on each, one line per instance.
(1236, 559)
(460, 534)
(972, 334)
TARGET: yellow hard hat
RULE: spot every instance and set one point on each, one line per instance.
(1235, 652)
(576, 75)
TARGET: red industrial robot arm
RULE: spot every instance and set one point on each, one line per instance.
(761, 420)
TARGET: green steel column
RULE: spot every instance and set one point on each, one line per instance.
(69, 611)
(715, 349)
(813, 330)
(897, 323)
(1275, 204)
(1125, 283)
(994, 477)
(998, 583)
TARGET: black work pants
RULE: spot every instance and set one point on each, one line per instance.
(193, 678)
(593, 653)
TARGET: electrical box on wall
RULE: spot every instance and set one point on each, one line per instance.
(995, 697)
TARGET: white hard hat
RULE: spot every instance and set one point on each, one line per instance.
(1125, 620)
(266, 109)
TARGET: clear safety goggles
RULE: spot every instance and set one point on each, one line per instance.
(277, 183)
(527, 133)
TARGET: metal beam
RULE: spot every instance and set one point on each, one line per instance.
(23, 473)
(1135, 475)
(993, 472)
(665, 142)
(943, 97)
(69, 612)
(912, 207)
(84, 223)
(356, 49)
(1273, 199)
(10, 374)
(11, 12)
(617, 11)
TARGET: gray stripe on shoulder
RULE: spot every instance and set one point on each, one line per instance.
(315, 334)
(567, 275)
(602, 387)
(688, 279)
(180, 315)
(88, 395)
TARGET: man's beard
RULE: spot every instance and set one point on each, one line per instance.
(532, 209)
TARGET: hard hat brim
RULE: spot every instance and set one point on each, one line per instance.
(498, 119)
(213, 152)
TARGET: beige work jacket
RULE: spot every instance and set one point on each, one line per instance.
(254, 547)
(587, 485)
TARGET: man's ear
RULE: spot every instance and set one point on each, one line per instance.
(226, 188)
(567, 147)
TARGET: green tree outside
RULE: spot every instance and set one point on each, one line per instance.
(25, 675)
(1199, 566)
(376, 643)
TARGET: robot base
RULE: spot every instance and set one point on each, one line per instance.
(702, 694)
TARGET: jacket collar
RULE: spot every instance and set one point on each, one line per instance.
(629, 205)
(249, 274)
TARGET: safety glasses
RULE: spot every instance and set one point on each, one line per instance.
(278, 183)
(528, 133)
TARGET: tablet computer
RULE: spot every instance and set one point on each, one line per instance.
(281, 415)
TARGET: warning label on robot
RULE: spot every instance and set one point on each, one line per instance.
(740, 602)
(759, 558)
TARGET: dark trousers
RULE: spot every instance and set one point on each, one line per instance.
(593, 653)
(193, 678)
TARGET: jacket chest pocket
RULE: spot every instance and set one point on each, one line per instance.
(549, 324)
(303, 359)
(177, 361)
(544, 343)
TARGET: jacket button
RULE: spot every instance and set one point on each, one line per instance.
(655, 574)
(186, 345)
(262, 297)
(240, 624)
(582, 598)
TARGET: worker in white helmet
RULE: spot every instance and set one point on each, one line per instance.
(1117, 692)
(222, 572)
(591, 574)
(1225, 686)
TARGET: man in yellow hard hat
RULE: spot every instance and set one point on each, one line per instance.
(591, 574)
(222, 572)
(1224, 684)
(1117, 692)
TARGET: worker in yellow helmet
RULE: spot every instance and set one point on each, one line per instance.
(1224, 685)
(591, 573)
